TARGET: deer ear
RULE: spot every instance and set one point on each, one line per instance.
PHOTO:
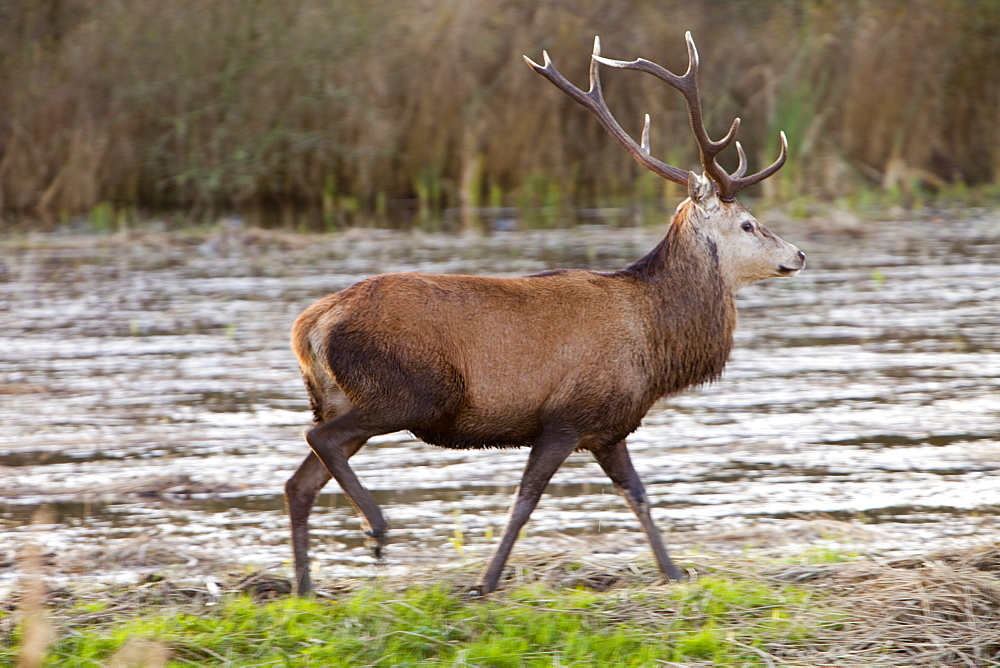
(700, 187)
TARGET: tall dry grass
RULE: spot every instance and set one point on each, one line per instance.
(343, 107)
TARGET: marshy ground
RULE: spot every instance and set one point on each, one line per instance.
(817, 609)
(152, 407)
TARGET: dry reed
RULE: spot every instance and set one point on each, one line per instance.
(37, 631)
(342, 107)
(939, 609)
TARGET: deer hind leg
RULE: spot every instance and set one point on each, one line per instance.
(333, 442)
(546, 456)
(301, 491)
(617, 464)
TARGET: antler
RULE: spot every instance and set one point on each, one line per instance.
(728, 184)
(594, 100)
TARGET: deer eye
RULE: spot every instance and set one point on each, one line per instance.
(747, 227)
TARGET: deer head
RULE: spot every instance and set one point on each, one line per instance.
(747, 251)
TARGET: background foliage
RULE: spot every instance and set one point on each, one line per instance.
(343, 108)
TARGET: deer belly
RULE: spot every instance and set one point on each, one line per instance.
(477, 426)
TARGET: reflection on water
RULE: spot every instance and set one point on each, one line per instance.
(148, 395)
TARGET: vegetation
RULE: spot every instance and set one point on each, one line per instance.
(341, 109)
(825, 608)
(528, 626)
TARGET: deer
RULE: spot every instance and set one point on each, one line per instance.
(561, 361)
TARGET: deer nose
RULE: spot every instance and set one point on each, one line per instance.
(802, 256)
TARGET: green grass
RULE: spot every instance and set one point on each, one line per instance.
(724, 619)
(823, 607)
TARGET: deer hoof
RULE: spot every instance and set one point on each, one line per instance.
(375, 542)
(476, 591)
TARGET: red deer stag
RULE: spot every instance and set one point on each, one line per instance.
(561, 361)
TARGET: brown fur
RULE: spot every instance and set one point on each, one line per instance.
(474, 361)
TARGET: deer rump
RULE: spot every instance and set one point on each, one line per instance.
(480, 362)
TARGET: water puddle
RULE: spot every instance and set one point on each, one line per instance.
(149, 401)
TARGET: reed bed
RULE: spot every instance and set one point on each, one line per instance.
(363, 110)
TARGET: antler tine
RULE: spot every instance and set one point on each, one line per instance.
(737, 184)
(595, 72)
(741, 168)
(645, 136)
(594, 101)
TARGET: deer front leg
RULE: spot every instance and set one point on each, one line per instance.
(546, 456)
(617, 464)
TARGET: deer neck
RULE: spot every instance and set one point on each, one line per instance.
(692, 309)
